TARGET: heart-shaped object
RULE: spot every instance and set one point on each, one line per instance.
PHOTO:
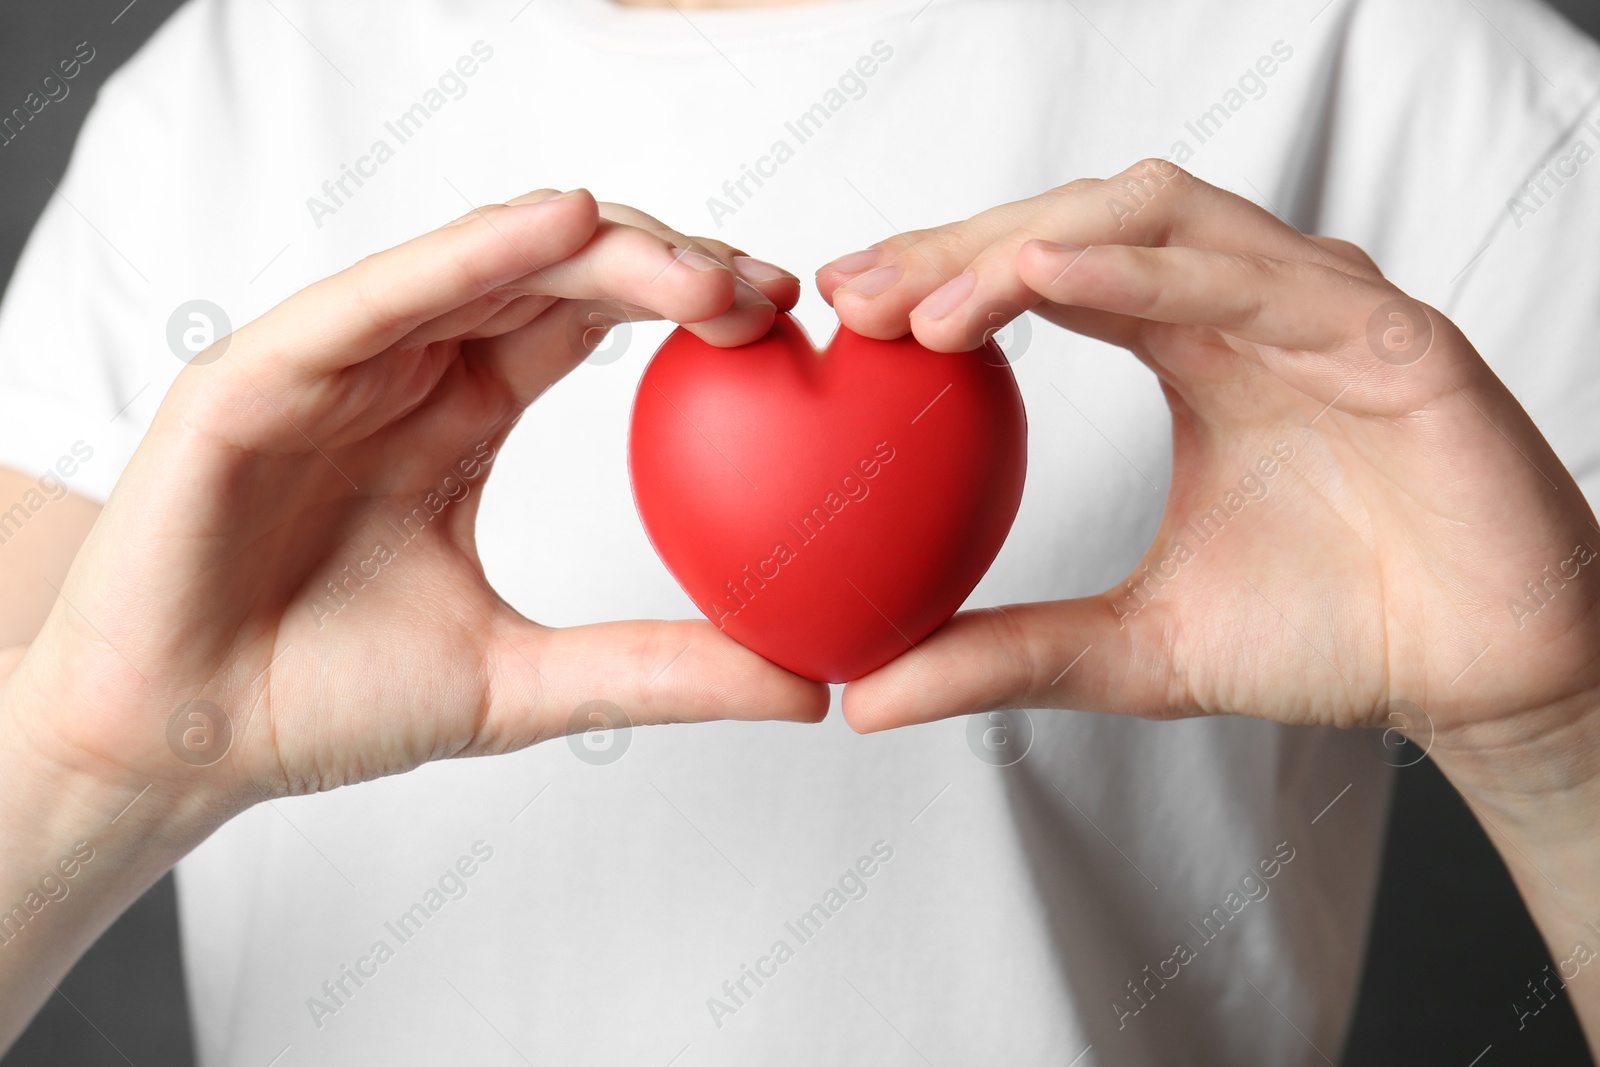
(827, 510)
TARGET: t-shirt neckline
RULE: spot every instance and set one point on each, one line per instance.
(670, 29)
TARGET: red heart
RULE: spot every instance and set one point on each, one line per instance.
(827, 510)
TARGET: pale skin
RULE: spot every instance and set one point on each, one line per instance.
(1419, 498)
(197, 579)
(1419, 501)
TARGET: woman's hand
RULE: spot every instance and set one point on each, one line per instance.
(1355, 500)
(1364, 527)
(293, 543)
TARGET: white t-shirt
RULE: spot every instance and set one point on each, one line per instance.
(931, 907)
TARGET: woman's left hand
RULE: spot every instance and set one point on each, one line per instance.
(1411, 497)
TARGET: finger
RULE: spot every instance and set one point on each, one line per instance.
(1066, 654)
(1352, 257)
(631, 273)
(631, 267)
(1121, 330)
(535, 356)
(874, 291)
(1265, 301)
(370, 306)
(504, 309)
(931, 256)
(509, 317)
(625, 263)
(1328, 334)
(1152, 203)
(531, 197)
(532, 355)
(1268, 302)
(761, 286)
(748, 320)
(1291, 304)
(1256, 298)
(495, 312)
(776, 284)
(654, 672)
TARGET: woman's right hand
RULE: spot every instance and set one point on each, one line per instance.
(375, 396)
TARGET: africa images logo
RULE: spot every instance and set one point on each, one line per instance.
(853, 487)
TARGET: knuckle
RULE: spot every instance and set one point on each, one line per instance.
(1026, 654)
(1252, 265)
(715, 249)
(1151, 180)
(1156, 169)
(370, 302)
(901, 243)
(1147, 299)
(1078, 185)
(941, 245)
(1147, 186)
(631, 245)
(481, 214)
(928, 248)
(476, 271)
(1352, 253)
(1016, 644)
(1253, 270)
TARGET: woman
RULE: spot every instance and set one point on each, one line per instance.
(1364, 526)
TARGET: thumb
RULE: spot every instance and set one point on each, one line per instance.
(1062, 654)
(549, 682)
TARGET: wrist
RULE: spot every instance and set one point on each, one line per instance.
(82, 842)
(1539, 770)
(1533, 782)
(60, 790)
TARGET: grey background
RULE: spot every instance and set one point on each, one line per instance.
(1451, 948)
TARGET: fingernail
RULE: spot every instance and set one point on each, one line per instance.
(947, 297)
(758, 270)
(696, 261)
(854, 263)
(746, 295)
(873, 282)
(1057, 249)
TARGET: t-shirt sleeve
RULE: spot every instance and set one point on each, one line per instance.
(1463, 152)
(82, 363)
(1531, 300)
